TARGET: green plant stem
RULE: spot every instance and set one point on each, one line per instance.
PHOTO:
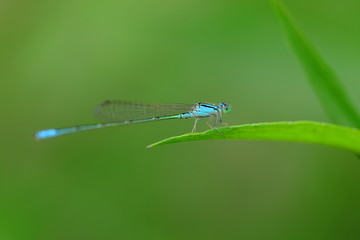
(321, 76)
(301, 131)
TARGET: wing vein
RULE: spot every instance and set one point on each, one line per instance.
(121, 110)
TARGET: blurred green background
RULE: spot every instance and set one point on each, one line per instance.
(59, 59)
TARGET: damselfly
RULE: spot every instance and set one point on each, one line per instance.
(116, 113)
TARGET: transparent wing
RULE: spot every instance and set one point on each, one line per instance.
(122, 111)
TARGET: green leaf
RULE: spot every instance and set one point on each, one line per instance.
(302, 131)
(323, 79)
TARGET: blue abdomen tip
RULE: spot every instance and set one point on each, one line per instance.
(48, 133)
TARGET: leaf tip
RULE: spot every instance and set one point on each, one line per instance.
(151, 145)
